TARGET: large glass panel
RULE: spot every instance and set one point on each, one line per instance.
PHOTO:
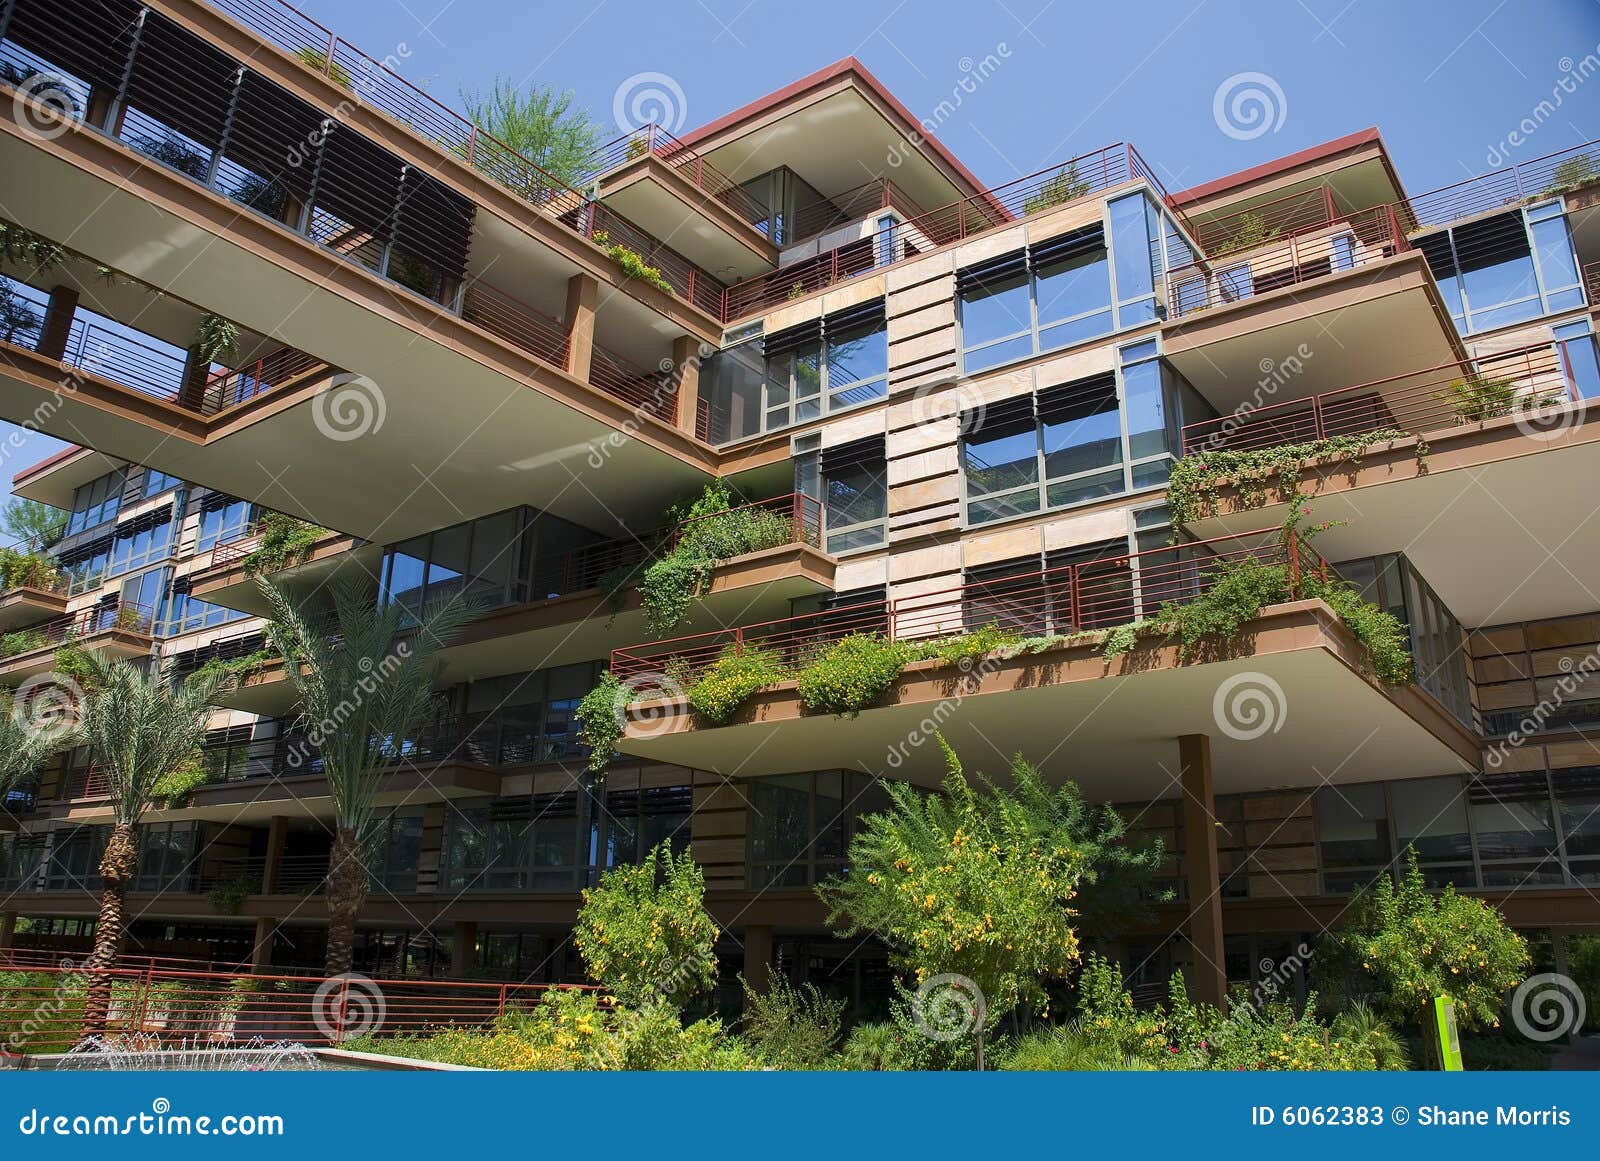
(447, 562)
(1074, 299)
(1147, 418)
(1577, 794)
(858, 365)
(1132, 250)
(1083, 439)
(1000, 460)
(496, 557)
(994, 311)
(1430, 814)
(856, 495)
(405, 572)
(1353, 835)
(780, 829)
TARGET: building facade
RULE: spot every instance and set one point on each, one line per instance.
(964, 407)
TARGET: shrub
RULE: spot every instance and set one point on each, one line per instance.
(851, 675)
(1068, 1049)
(876, 1047)
(1477, 398)
(22, 641)
(284, 540)
(601, 716)
(968, 647)
(733, 679)
(792, 1027)
(633, 266)
(1066, 186)
(177, 784)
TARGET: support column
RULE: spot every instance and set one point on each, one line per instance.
(686, 369)
(277, 833)
(57, 327)
(583, 292)
(1208, 979)
(261, 952)
(8, 929)
(758, 958)
(464, 949)
(192, 389)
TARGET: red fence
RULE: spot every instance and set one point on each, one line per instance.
(851, 206)
(1096, 594)
(1508, 186)
(189, 1007)
(1512, 382)
(691, 165)
(125, 617)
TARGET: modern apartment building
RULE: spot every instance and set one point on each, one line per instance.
(965, 403)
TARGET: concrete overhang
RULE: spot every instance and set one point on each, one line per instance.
(1110, 726)
(234, 587)
(706, 230)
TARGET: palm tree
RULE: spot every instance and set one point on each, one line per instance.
(364, 675)
(140, 725)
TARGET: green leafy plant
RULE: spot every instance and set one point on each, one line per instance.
(74, 662)
(229, 895)
(600, 715)
(969, 647)
(541, 123)
(637, 147)
(283, 541)
(851, 675)
(30, 570)
(317, 59)
(732, 679)
(791, 1027)
(633, 265)
(216, 340)
(19, 247)
(1572, 173)
(875, 1047)
(1475, 399)
(1065, 186)
(22, 641)
(644, 933)
(239, 668)
(34, 525)
(798, 290)
(182, 780)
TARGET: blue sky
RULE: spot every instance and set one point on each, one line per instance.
(1448, 83)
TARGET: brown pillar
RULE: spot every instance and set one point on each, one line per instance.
(277, 832)
(582, 294)
(261, 953)
(192, 390)
(8, 929)
(464, 950)
(1208, 978)
(758, 958)
(57, 328)
(686, 368)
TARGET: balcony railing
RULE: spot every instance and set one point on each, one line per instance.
(229, 388)
(652, 392)
(853, 205)
(1100, 594)
(691, 165)
(1417, 402)
(293, 875)
(1059, 185)
(125, 617)
(1355, 240)
(1591, 284)
(1262, 224)
(1539, 177)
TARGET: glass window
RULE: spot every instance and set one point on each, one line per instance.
(858, 364)
(1577, 347)
(221, 522)
(1136, 244)
(96, 502)
(800, 825)
(1512, 820)
(1430, 815)
(1352, 835)
(1074, 299)
(855, 496)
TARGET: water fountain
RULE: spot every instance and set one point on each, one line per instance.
(145, 1053)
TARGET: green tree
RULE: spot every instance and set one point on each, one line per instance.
(140, 726)
(977, 881)
(24, 745)
(33, 525)
(18, 317)
(1409, 946)
(644, 932)
(364, 678)
(540, 123)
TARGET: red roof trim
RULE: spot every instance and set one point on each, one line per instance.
(1282, 164)
(47, 463)
(821, 77)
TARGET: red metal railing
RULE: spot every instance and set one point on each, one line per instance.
(229, 388)
(1098, 594)
(184, 1008)
(851, 206)
(653, 392)
(1356, 239)
(1510, 185)
(1591, 284)
(40, 577)
(124, 617)
(1070, 181)
(236, 546)
(1262, 224)
(516, 322)
(691, 165)
(801, 513)
(1416, 402)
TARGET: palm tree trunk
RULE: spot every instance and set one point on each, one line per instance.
(347, 891)
(117, 867)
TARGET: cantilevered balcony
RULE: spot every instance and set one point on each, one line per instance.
(40, 595)
(1062, 687)
(117, 630)
(1476, 490)
(228, 576)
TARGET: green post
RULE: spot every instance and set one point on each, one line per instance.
(1444, 1034)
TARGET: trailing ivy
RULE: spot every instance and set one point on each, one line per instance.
(601, 715)
(1198, 480)
(632, 264)
(284, 540)
(176, 785)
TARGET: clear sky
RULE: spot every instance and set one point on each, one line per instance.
(1447, 82)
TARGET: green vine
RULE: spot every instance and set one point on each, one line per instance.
(216, 340)
(600, 716)
(239, 668)
(176, 785)
(228, 896)
(285, 540)
(19, 247)
(632, 264)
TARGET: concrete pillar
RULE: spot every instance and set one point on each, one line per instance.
(758, 958)
(57, 328)
(583, 292)
(261, 952)
(277, 833)
(464, 949)
(8, 929)
(192, 390)
(686, 367)
(1208, 981)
